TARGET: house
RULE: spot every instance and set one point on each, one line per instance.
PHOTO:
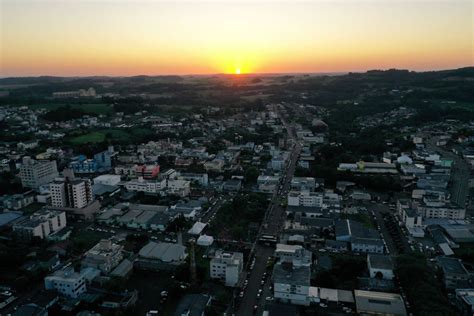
(227, 267)
(380, 266)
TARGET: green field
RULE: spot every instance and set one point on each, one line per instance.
(97, 108)
(93, 137)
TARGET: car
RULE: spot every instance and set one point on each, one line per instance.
(241, 294)
(258, 295)
(263, 282)
(164, 293)
(323, 305)
(269, 299)
(260, 291)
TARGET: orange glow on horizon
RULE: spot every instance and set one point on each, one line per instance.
(154, 37)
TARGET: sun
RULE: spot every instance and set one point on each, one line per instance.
(237, 71)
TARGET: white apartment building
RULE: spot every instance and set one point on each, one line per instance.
(35, 173)
(76, 193)
(291, 284)
(227, 267)
(442, 212)
(41, 224)
(66, 282)
(411, 218)
(175, 187)
(305, 198)
(104, 256)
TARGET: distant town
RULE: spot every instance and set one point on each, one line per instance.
(292, 194)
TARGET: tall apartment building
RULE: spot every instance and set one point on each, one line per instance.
(227, 267)
(75, 193)
(41, 224)
(35, 173)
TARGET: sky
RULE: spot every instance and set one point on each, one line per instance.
(134, 37)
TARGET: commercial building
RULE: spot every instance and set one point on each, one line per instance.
(227, 267)
(158, 256)
(41, 224)
(35, 173)
(379, 303)
(104, 256)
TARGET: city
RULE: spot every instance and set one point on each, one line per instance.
(247, 158)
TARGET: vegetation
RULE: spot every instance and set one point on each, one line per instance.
(344, 273)
(233, 218)
(422, 288)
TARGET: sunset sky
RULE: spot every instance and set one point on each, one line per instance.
(108, 37)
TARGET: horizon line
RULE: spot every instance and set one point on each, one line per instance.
(235, 75)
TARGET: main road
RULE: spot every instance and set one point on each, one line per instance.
(272, 224)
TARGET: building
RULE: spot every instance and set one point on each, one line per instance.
(369, 167)
(380, 266)
(295, 254)
(41, 224)
(291, 284)
(83, 165)
(303, 184)
(465, 301)
(455, 275)
(35, 173)
(71, 193)
(200, 178)
(157, 256)
(268, 184)
(362, 239)
(379, 303)
(192, 305)
(227, 267)
(410, 217)
(66, 282)
(449, 212)
(107, 179)
(104, 256)
(305, 198)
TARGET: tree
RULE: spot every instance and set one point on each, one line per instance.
(251, 175)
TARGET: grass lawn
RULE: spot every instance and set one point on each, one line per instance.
(93, 137)
(97, 108)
